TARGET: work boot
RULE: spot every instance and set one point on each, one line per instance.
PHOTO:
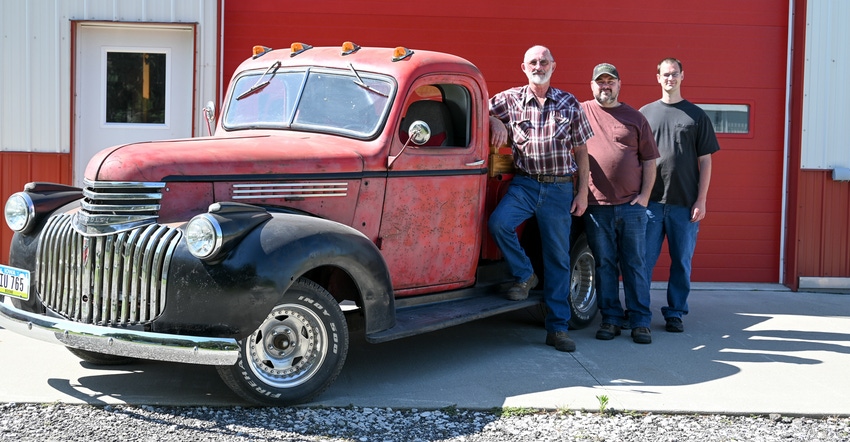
(561, 341)
(674, 325)
(641, 335)
(519, 291)
(607, 331)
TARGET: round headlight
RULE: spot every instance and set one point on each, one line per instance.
(203, 236)
(19, 211)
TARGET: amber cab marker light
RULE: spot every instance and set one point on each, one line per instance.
(297, 48)
(260, 50)
(349, 48)
(400, 53)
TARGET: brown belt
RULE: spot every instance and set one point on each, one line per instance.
(540, 178)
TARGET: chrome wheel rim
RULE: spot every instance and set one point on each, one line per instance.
(582, 289)
(289, 347)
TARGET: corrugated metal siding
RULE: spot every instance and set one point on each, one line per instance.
(35, 62)
(739, 241)
(31, 83)
(819, 208)
(823, 236)
(825, 144)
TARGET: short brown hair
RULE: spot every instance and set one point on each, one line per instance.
(670, 60)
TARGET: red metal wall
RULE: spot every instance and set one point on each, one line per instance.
(823, 240)
(728, 57)
(19, 168)
(818, 207)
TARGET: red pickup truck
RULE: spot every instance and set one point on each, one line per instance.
(339, 182)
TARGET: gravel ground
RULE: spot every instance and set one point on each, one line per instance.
(61, 422)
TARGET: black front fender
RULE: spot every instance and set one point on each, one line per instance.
(234, 295)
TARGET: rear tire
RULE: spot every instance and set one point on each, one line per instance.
(297, 351)
(583, 301)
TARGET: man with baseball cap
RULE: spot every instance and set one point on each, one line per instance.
(622, 171)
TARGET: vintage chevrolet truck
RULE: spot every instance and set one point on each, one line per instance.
(337, 183)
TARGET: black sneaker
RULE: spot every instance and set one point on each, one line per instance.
(642, 335)
(607, 331)
(519, 291)
(561, 341)
(674, 325)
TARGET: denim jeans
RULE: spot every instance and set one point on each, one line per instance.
(674, 222)
(550, 203)
(616, 235)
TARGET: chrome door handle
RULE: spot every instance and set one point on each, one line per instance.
(476, 163)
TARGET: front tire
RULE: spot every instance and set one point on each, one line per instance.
(297, 351)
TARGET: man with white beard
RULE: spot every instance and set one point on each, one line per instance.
(547, 132)
(622, 172)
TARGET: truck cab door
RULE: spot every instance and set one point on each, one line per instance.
(430, 231)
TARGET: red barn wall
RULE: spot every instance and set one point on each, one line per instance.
(818, 208)
(822, 240)
(737, 58)
(19, 168)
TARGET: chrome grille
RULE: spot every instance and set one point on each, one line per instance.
(115, 206)
(117, 279)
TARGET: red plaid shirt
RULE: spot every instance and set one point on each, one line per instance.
(542, 139)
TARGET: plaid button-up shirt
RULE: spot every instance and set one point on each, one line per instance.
(542, 139)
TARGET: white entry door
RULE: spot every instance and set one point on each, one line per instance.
(133, 82)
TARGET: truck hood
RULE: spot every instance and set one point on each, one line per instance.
(221, 157)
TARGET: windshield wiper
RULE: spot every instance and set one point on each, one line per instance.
(359, 82)
(258, 85)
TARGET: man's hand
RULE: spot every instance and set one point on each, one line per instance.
(498, 132)
(698, 211)
(579, 204)
(641, 200)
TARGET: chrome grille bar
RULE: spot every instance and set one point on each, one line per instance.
(118, 279)
(110, 207)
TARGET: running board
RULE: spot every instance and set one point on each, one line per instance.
(418, 319)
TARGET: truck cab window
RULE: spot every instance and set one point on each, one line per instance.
(446, 109)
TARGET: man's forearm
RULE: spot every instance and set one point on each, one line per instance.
(583, 165)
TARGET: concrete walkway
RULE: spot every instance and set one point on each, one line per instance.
(746, 349)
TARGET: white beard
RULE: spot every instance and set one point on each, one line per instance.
(541, 79)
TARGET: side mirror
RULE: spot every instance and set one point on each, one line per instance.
(209, 114)
(419, 133)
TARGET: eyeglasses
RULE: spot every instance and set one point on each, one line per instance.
(672, 75)
(606, 83)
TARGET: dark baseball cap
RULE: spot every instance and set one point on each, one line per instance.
(605, 68)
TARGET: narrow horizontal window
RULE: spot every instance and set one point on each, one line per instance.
(728, 118)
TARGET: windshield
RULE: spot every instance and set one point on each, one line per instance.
(342, 102)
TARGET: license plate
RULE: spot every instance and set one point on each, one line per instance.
(14, 282)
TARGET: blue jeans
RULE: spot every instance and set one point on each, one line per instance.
(550, 203)
(674, 222)
(617, 236)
